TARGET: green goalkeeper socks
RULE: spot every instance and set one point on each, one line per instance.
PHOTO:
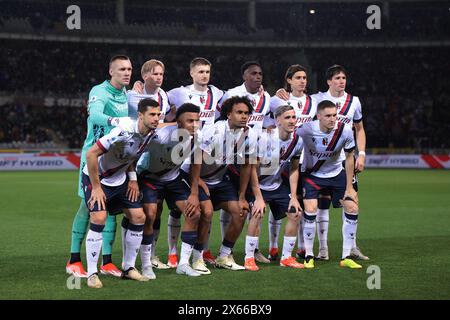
(109, 233)
(79, 227)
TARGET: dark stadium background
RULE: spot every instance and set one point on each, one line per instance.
(399, 72)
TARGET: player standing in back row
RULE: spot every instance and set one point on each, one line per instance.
(206, 96)
(349, 112)
(305, 107)
(252, 75)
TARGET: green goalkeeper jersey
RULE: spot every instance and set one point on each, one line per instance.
(105, 102)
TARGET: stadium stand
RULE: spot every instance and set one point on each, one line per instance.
(403, 89)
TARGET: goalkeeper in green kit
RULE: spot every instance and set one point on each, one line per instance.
(107, 108)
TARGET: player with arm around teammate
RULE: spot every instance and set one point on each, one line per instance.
(206, 96)
(305, 107)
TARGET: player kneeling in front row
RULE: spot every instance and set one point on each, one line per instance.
(324, 139)
(105, 184)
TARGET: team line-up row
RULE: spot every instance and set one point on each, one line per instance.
(128, 166)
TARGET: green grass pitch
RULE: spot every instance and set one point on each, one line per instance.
(404, 227)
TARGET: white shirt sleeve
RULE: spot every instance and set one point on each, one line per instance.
(176, 96)
(349, 144)
(357, 117)
(108, 140)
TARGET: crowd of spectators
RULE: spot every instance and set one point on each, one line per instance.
(404, 91)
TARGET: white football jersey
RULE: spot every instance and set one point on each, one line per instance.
(161, 97)
(305, 107)
(348, 106)
(207, 101)
(275, 154)
(165, 154)
(120, 149)
(260, 103)
(224, 146)
(323, 154)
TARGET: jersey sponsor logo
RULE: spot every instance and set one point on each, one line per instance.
(302, 120)
(207, 114)
(344, 119)
(255, 118)
(324, 154)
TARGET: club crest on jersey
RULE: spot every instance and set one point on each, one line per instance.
(299, 105)
(338, 105)
(253, 102)
(190, 96)
(202, 99)
(325, 141)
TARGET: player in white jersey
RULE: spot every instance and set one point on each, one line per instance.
(252, 75)
(279, 147)
(152, 73)
(349, 112)
(206, 96)
(105, 187)
(200, 92)
(252, 89)
(305, 106)
(324, 139)
(229, 141)
(160, 178)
